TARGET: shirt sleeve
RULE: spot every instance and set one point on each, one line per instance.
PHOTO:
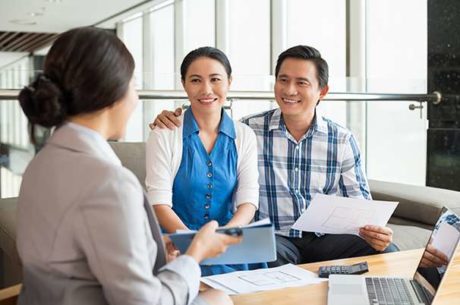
(114, 233)
(159, 173)
(353, 181)
(248, 174)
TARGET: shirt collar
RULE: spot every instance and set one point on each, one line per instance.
(80, 138)
(226, 125)
(190, 125)
(319, 124)
(276, 121)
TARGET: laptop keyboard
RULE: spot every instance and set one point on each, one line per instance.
(388, 291)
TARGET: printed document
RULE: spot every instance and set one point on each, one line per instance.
(343, 215)
(262, 279)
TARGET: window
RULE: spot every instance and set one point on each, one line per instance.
(131, 34)
(249, 52)
(322, 25)
(396, 63)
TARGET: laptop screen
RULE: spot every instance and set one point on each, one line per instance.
(439, 251)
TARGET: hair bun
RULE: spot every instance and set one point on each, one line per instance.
(41, 102)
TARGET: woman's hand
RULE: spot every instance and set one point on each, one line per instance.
(171, 251)
(207, 243)
(167, 119)
(377, 237)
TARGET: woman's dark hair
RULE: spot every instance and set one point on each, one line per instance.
(307, 53)
(209, 52)
(86, 70)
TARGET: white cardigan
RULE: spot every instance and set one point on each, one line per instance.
(164, 155)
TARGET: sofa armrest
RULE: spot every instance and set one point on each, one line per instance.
(10, 265)
(8, 228)
(416, 203)
(9, 296)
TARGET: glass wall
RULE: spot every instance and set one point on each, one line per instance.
(396, 62)
(250, 58)
(252, 34)
(327, 33)
(15, 150)
(131, 34)
(159, 59)
(245, 31)
(198, 24)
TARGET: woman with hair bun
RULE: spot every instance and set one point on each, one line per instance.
(86, 234)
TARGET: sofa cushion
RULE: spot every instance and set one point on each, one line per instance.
(407, 222)
(417, 203)
(409, 237)
(132, 156)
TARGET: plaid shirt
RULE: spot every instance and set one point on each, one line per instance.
(326, 160)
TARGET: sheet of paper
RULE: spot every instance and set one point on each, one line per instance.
(343, 215)
(252, 224)
(444, 239)
(262, 279)
(261, 222)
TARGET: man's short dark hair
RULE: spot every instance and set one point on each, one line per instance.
(307, 53)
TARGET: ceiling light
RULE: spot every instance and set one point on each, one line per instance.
(22, 22)
(35, 14)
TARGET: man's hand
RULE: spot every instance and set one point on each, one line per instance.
(171, 251)
(377, 237)
(167, 119)
(432, 257)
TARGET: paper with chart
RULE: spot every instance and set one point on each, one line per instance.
(262, 279)
(343, 215)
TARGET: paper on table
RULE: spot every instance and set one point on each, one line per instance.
(262, 279)
(343, 215)
(442, 241)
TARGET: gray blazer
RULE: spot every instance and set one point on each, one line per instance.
(84, 236)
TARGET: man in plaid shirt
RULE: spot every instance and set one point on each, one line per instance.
(302, 154)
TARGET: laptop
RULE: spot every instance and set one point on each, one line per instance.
(421, 289)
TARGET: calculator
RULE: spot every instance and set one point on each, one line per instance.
(359, 268)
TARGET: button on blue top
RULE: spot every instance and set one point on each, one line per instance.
(204, 183)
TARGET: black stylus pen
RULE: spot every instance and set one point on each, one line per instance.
(231, 231)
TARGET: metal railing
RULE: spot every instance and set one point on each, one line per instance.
(434, 97)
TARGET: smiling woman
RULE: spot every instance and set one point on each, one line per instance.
(206, 81)
(210, 152)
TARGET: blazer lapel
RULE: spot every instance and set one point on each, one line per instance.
(157, 236)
